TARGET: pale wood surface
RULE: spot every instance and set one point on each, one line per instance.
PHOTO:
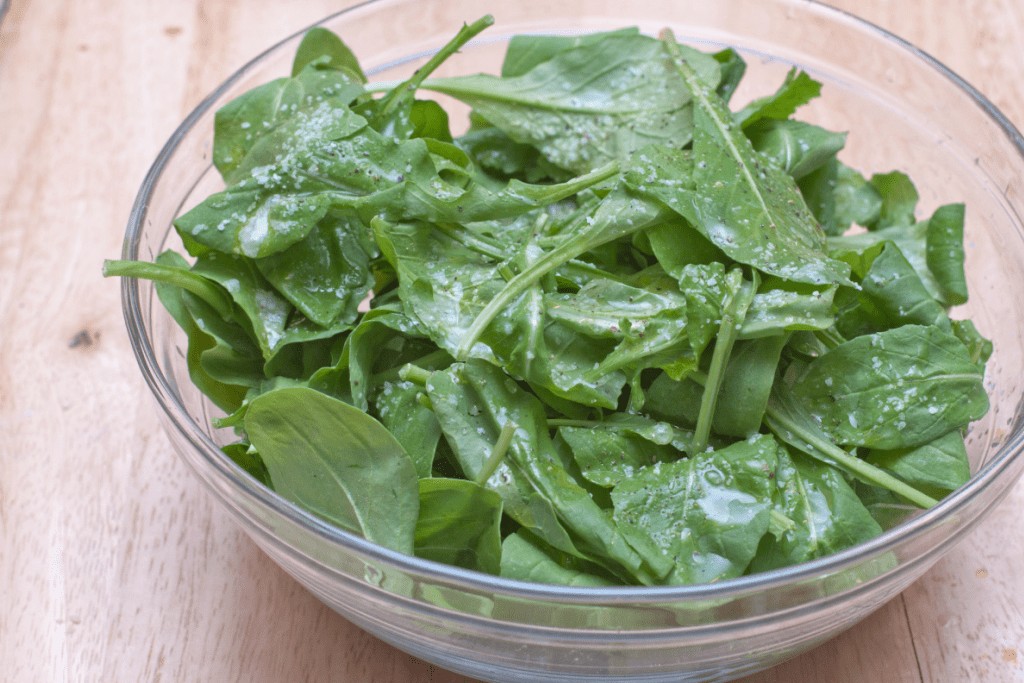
(114, 565)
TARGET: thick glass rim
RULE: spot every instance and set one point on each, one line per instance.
(194, 433)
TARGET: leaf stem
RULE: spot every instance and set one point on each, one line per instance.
(829, 453)
(732, 317)
(497, 453)
(171, 275)
(570, 248)
(465, 34)
(415, 374)
(429, 360)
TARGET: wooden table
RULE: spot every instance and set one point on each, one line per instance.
(114, 564)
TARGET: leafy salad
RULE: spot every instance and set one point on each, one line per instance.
(614, 333)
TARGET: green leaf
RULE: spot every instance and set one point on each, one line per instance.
(526, 559)
(856, 200)
(746, 386)
(532, 453)
(891, 294)
(411, 423)
(786, 307)
(797, 148)
(471, 433)
(979, 348)
(525, 51)
(338, 463)
(589, 103)
(796, 90)
(733, 67)
(325, 50)
(393, 114)
(447, 285)
(611, 451)
(798, 428)
(326, 274)
(819, 192)
(708, 513)
(894, 389)
(899, 200)
(944, 253)
(242, 124)
(250, 461)
(747, 207)
(937, 467)
(459, 524)
(815, 513)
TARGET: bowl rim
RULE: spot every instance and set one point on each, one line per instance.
(165, 395)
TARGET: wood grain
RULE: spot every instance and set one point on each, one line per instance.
(114, 565)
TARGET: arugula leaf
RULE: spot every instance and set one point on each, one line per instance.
(438, 342)
(750, 209)
(796, 90)
(584, 103)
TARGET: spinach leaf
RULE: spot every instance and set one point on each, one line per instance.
(979, 348)
(797, 148)
(944, 253)
(325, 50)
(857, 201)
(532, 453)
(472, 435)
(459, 524)
(326, 274)
(899, 200)
(708, 513)
(937, 467)
(438, 342)
(798, 428)
(413, 425)
(815, 513)
(732, 67)
(336, 462)
(611, 451)
(891, 294)
(894, 389)
(246, 458)
(527, 559)
(746, 386)
(242, 125)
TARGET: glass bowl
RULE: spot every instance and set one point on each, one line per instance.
(903, 110)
